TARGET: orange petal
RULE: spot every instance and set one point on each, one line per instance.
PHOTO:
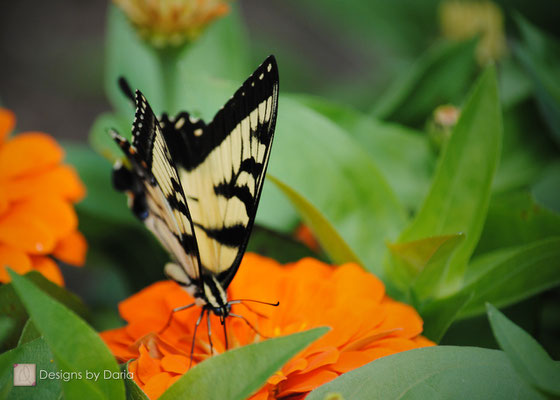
(422, 341)
(147, 366)
(350, 360)
(326, 357)
(28, 153)
(48, 268)
(400, 315)
(175, 363)
(25, 232)
(150, 302)
(71, 249)
(7, 123)
(157, 384)
(57, 214)
(61, 180)
(303, 383)
(15, 259)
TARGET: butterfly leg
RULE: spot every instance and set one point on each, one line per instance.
(210, 334)
(249, 324)
(168, 323)
(194, 335)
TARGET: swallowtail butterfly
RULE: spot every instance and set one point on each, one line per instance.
(196, 186)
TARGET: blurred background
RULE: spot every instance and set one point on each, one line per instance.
(52, 53)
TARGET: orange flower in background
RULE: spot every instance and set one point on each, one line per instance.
(172, 22)
(366, 325)
(37, 220)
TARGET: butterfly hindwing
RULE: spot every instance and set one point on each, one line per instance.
(222, 166)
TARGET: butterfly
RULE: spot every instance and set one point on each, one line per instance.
(196, 185)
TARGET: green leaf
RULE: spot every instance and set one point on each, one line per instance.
(441, 76)
(324, 165)
(515, 219)
(95, 171)
(403, 155)
(282, 248)
(510, 275)
(539, 57)
(442, 372)
(526, 355)
(237, 373)
(29, 333)
(547, 189)
(133, 391)
(334, 245)
(460, 192)
(75, 346)
(421, 261)
(439, 314)
(36, 352)
(12, 307)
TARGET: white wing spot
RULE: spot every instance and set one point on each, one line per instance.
(198, 132)
(140, 125)
(193, 120)
(253, 84)
(269, 67)
(180, 122)
(261, 76)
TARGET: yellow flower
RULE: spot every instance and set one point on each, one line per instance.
(464, 19)
(172, 22)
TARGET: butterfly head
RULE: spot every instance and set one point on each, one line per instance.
(215, 297)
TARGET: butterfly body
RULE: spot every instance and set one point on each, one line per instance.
(196, 186)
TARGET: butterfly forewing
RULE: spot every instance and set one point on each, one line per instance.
(222, 166)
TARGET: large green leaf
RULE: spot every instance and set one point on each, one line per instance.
(12, 308)
(460, 192)
(515, 219)
(509, 275)
(335, 246)
(441, 76)
(35, 352)
(74, 345)
(421, 262)
(235, 374)
(442, 372)
(538, 55)
(526, 355)
(327, 167)
(403, 155)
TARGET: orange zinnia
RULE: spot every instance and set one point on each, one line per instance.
(37, 220)
(366, 325)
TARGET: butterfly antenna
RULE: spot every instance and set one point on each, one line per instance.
(171, 316)
(194, 335)
(125, 88)
(249, 324)
(243, 301)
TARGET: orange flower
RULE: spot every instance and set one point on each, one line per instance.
(366, 325)
(37, 220)
(172, 22)
(305, 236)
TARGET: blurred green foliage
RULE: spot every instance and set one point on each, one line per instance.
(447, 232)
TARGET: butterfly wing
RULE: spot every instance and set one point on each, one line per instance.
(222, 165)
(158, 196)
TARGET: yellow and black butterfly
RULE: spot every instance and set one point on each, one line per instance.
(197, 186)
